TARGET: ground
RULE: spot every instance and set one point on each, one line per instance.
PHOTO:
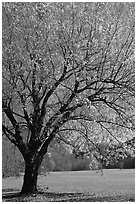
(113, 186)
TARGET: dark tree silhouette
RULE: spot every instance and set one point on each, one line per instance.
(68, 69)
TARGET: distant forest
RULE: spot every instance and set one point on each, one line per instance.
(59, 159)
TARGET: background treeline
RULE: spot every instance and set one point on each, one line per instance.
(60, 159)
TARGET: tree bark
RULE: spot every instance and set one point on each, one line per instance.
(31, 175)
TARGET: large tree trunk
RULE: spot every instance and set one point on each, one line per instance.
(31, 175)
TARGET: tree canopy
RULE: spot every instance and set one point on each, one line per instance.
(68, 71)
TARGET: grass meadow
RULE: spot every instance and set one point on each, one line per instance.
(85, 186)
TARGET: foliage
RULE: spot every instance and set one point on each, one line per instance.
(12, 161)
(60, 158)
(68, 73)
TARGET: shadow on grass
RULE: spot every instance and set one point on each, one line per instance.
(40, 196)
(11, 193)
(14, 194)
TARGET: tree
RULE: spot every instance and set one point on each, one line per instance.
(115, 155)
(12, 161)
(68, 70)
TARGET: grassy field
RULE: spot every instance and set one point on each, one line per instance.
(114, 185)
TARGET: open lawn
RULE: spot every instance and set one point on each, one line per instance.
(114, 185)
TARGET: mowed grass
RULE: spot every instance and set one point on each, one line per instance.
(114, 185)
